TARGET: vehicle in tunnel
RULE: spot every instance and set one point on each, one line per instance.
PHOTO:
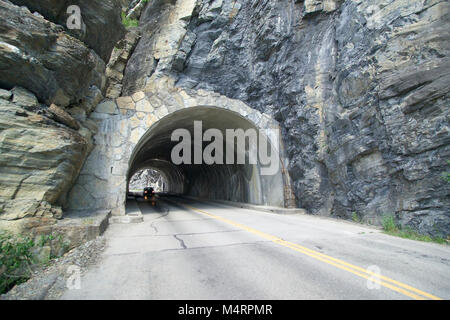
(149, 194)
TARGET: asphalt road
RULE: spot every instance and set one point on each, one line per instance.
(197, 250)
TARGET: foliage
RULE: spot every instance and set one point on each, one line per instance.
(129, 22)
(355, 217)
(390, 227)
(388, 223)
(44, 239)
(15, 260)
(446, 176)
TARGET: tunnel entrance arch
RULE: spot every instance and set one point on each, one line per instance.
(134, 133)
(233, 182)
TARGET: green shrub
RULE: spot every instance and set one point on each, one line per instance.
(44, 240)
(15, 260)
(355, 217)
(388, 223)
(129, 22)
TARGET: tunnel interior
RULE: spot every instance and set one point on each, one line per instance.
(232, 182)
(147, 177)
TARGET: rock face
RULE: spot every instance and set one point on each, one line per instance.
(101, 19)
(39, 161)
(50, 83)
(163, 25)
(118, 62)
(361, 89)
(146, 178)
(37, 55)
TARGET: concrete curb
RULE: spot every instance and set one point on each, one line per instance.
(95, 223)
(276, 210)
(126, 219)
(133, 215)
(77, 227)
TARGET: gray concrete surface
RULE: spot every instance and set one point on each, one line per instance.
(243, 205)
(133, 214)
(179, 253)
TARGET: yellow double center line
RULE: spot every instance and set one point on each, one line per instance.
(361, 272)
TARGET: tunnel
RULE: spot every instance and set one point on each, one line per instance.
(148, 177)
(231, 181)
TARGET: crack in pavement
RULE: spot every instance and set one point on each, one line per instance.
(196, 233)
(218, 246)
(162, 215)
(154, 227)
(183, 245)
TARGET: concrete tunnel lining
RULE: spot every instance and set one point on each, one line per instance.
(240, 183)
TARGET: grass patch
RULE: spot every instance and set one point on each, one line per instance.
(19, 256)
(391, 228)
(15, 260)
(356, 218)
(129, 22)
(388, 223)
(446, 176)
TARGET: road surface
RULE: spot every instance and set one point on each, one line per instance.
(199, 250)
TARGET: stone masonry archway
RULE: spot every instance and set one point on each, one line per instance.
(125, 126)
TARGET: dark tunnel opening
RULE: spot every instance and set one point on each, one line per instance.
(232, 182)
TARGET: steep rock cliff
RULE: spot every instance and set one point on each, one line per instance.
(51, 79)
(361, 89)
(101, 22)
